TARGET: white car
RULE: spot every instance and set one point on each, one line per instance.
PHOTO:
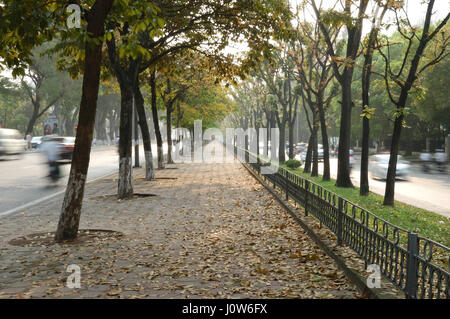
(378, 166)
(11, 142)
(36, 142)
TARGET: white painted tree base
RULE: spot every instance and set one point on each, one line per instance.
(125, 187)
(149, 169)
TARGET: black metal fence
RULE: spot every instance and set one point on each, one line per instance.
(417, 265)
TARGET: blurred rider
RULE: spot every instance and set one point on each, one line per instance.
(426, 159)
(440, 157)
(51, 150)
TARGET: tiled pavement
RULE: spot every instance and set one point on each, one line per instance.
(211, 232)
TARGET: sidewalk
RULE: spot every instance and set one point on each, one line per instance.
(212, 231)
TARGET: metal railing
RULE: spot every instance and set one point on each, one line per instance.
(417, 265)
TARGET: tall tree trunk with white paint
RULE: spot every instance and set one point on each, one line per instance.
(139, 102)
(125, 183)
(159, 140)
(69, 220)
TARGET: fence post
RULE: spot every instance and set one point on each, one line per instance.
(339, 220)
(411, 266)
(306, 196)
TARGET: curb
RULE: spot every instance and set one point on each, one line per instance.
(351, 274)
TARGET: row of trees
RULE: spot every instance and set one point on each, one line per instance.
(185, 91)
(132, 42)
(328, 69)
(41, 90)
(169, 46)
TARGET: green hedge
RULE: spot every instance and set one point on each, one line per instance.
(293, 163)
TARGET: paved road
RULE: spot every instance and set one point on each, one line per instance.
(23, 180)
(427, 191)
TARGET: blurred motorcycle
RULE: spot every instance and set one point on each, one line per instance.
(440, 159)
(426, 159)
(51, 149)
(434, 162)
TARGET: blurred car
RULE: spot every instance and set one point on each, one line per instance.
(11, 142)
(67, 144)
(303, 156)
(378, 166)
(319, 151)
(300, 147)
(351, 158)
(36, 142)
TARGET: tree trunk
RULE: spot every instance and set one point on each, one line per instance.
(412, 76)
(291, 141)
(125, 184)
(70, 123)
(100, 125)
(34, 116)
(390, 179)
(257, 143)
(136, 137)
(117, 127)
(364, 177)
(244, 126)
(365, 85)
(326, 146)
(246, 147)
(139, 102)
(71, 208)
(343, 176)
(354, 32)
(179, 117)
(191, 135)
(169, 134)
(307, 168)
(266, 147)
(126, 78)
(315, 150)
(65, 127)
(159, 141)
(282, 146)
(32, 122)
(112, 126)
(268, 128)
(379, 145)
